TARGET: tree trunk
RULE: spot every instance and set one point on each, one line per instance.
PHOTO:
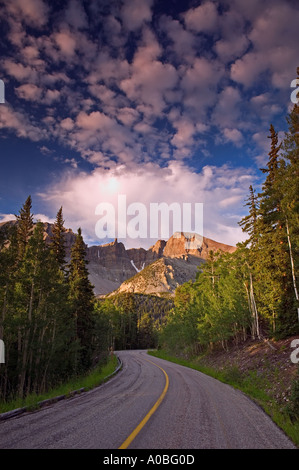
(22, 376)
(254, 309)
(292, 266)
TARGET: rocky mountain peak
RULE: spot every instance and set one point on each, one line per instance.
(111, 264)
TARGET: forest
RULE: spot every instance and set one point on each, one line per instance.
(252, 292)
(48, 311)
(53, 327)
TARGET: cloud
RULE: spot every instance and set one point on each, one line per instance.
(135, 13)
(220, 189)
(19, 71)
(233, 135)
(43, 218)
(199, 85)
(75, 15)
(202, 19)
(66, 42)
(272, 39)
(234, 40)
(182, 42)
(149, 78)
(32, 12)
(137, 89)
(227, 111)
(67, 124)
(19, 123)
(6, 218)
(183, 139)
(29, 92)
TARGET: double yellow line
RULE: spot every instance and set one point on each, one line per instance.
(132, 436)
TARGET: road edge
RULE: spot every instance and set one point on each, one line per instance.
(50, 401)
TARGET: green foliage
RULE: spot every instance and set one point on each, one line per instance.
(24, 226)
(254, 290)
(293, 406)
(213, 309)
(81, 300)
(57, 239)
(133, 320)
(47, 320)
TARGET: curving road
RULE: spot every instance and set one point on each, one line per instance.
(149, 404)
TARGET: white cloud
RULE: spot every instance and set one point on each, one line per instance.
(66, 41)
(233, 135)
(32, 12)
(19, 123)
(158, 98)
(272, 38)
(149, 78)
(19, 71)
(183, 42)
(220, 190)
(135, 13)
(202, 19)
(75, 15)
(29, 92)
(43, 218)
(67, 124)
(199, 84)
(6, 218)
(232, 31)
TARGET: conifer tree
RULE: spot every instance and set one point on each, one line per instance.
(271, 263)
(290, 195)
(57, 239)
(25, 225)
(249, 223)
(81, 297)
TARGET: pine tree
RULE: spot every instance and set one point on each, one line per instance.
(290, 195)
(81, 297)
(58, 241)
(249, 223)
(27, 295)
(25, 225)
(271, 266)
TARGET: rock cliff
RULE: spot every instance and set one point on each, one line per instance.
(111, 266)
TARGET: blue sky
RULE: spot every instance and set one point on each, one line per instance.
(160, 101)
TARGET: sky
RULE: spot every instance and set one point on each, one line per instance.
(158, 101)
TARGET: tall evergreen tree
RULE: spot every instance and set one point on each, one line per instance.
(272, 262)
(58, 240)
(249, 223)
(290, 196)
(82, 298)
(25, 225)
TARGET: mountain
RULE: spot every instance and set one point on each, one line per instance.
(111, 264)
(179, 262)
(162, 276)
(161, 268)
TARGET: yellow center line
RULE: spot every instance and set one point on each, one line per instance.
(132, 436)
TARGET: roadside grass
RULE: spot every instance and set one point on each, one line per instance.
(93, 379)
(252, 384)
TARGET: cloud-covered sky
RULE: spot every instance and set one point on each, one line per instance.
(158, 101)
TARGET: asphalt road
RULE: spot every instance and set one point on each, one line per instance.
(149, 404)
